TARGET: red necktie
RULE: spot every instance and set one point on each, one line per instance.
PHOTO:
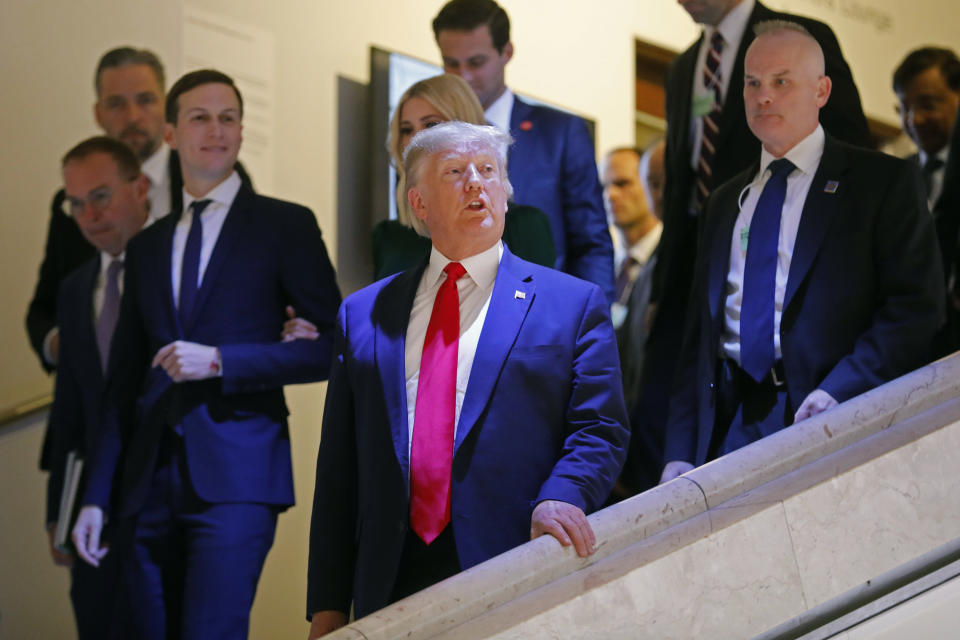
(431, 454)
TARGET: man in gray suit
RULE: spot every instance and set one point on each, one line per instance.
(633, 194)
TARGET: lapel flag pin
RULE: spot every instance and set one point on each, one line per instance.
(519, 295)
(526, 125)
(831, 186)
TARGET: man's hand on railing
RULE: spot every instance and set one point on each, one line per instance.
(565, 522)
(673, 469)
(817, 402)
(324, 622)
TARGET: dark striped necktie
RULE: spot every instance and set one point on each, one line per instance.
(711, 121)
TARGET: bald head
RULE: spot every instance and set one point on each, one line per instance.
(785, 85)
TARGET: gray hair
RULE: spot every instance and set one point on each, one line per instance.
(123, 56)
(771, 26)
(448, 136)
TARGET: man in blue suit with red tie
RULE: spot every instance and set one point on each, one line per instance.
(474, 401)
(552, 161)
(106, 196)
(194, 443)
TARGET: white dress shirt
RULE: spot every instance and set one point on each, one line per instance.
(474, 290)
(732, 28)
(157, 169)
(499, 112)
(805, 156)
(212, 218)
(936, 178)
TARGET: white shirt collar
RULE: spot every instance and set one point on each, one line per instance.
(733, 25)
(805, 155)
(643, 248)
(223, 193)
(155, 167)
(942, 155)
(481, 267)
(499, 112)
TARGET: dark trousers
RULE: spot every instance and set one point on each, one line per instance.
(424, 565)
(98, 595)
(194, 565)
(746, 410)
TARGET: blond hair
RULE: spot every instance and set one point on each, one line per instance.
(453, 99)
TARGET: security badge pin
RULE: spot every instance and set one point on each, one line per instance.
(519, 295)
(831, 186)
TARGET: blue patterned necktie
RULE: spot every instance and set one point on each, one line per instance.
(757, 354)
(190, 271)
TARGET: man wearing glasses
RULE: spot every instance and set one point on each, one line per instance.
(106, 195)
(129, 108)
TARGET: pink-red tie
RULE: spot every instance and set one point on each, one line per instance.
(431, 454)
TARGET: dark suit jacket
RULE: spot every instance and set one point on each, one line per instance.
(75, 414)
(946, 213)
(632, 334)
(737, 149)
(915, 158)
(553, 167)
(863, 299)
(65, 250)
(269, 254)
(543, 418)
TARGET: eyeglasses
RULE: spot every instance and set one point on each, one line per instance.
(98, 199)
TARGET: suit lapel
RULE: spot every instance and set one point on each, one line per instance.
(722, 241)
(687, 70)
(232, 227)
(505, 316)
(391, 315)
(818, 211)
(86, 322)
(165, 267)
(518, 115)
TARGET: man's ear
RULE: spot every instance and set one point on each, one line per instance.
(167, 131)
(824, 86)
(415, 198)
(142, 188)
(96, 115)
(507, 52)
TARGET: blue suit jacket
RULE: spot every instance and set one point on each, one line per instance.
(863, 299)
(543, 418)
(269, 254)
(75, 415)
(553, 167)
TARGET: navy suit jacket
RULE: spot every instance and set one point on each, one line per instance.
(75, 415)
(736, 149)
(543, 419)
(269, 254)
(553, 167)
(863, 299)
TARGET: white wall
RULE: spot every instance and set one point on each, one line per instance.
(576, 54)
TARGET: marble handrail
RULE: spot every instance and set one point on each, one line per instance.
(656, 512)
